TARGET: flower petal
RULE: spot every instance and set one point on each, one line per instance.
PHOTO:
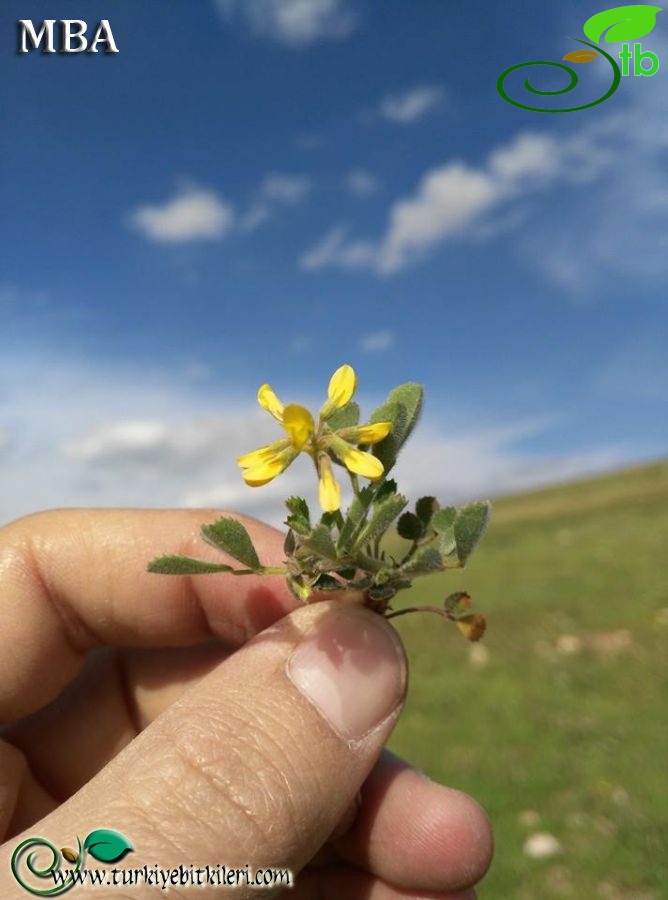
(329, 490)
(341, 388)
(268, 400)
(265, 471)
(262, 454)
(357, 461)
(366, 434)
(299, 424)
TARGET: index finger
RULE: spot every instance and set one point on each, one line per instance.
(74, 579)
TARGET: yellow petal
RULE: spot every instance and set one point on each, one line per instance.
(264, 472)
(329, 491)
(269, 401)
(366, 434)
(262, 454)
(341, 388)
(472, 627)
(359, 462)
(298, 422)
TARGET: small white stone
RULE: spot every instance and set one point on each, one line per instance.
(478, 656)
(569, 644)
(541, 845)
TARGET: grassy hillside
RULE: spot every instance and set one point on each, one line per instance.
(560, 723)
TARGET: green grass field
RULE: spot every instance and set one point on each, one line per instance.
(560, 724)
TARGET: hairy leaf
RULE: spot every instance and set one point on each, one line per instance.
(470, 526)
(346, 417)
(381, 517)
(185, 565)
(402, 408)
(231, 536)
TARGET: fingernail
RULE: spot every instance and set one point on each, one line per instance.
(351, 667)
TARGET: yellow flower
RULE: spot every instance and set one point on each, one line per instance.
(322, 443)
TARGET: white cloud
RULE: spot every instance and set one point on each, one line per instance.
(458, 200)
(190, 215)
(277, 189)
(333, 250)
(130, 437)
(408, 106)
(257, 214)
(376, 342)
(295, 23)
(288, 189)
(446, 202)
(361, 183)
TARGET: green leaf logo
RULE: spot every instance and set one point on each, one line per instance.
(107, 845)
(623, 23)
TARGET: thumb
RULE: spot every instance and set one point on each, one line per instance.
(256, 764)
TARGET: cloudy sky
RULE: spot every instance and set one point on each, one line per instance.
(261, 190)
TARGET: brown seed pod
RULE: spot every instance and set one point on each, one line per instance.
(69, 854)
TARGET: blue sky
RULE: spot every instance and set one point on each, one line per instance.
(260, 191)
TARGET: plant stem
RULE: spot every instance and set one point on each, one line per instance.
(412, 609)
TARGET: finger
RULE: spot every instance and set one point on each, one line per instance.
(415, 833)
(112, 699)
(262, 757)
(335, 882)
(71, 580)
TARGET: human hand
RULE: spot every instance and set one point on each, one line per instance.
(209, 719)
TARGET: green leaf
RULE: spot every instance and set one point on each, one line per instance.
(299, 519)
(231, 536)
(320, 541)
(355, 517)
(383, 489)
(382, 592)
(290, 543)
(327, 583)
(443, 523)
(382, 516)
(470, 526)
(346, 417)
(424, 562)
(184, 565)
(622, 23)
(106, 845)
(409, 526)
(425, 509)
(402, 408)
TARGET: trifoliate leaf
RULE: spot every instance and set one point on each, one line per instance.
(320, 541)
(423, 562)
(107, 845)
(469, 527)
(425, 509)
(402, 409)
(409, 526)
(346, 417)
(299, 519)
(381, 517)
(623, 23)
(184, 565)
(231, 536)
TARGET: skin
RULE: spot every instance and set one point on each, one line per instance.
(160, 706)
